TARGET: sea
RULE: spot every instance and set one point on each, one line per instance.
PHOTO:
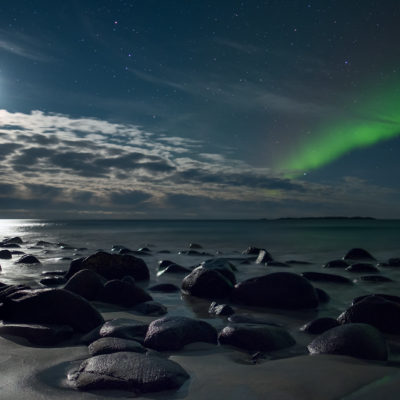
(309, 242)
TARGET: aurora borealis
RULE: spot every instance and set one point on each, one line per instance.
(200, 109)
(379, 120)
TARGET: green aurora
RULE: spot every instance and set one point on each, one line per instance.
(381, 122)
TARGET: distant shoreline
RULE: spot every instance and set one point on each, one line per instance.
(335, 217)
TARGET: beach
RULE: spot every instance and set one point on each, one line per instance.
(214, 370)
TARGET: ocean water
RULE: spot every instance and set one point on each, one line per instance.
(315, 241)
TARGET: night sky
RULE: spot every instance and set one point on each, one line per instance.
(199, 109)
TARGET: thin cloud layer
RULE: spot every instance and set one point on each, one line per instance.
(57, 165)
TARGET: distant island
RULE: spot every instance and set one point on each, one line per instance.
(314, 218)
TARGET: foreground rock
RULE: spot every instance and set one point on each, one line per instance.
(207, 283)
(355, 340)
(85, 283)
(128, 371)
(110, 345)
(111, 266)
(43, 335)
(319, 325)
(279, 289)
(256, 338)
(50, 306)
(375, 310)
(220, 309)
(122, 293)
(173, 333)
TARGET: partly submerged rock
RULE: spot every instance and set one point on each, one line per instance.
(111, 266)
(374, 310)
(256, 337)
(135, 372)
(5, 254)
(28, 259)
(123, 293)
(164, 288)
(220, 309)
(279, 290)
(322, 277)
(173, 333)
(108, 345)
(43, 335)
(355, 340)
(153, 308)
(336, 264)
(85, 283)
(363, 267)
(358, 254)
(263, 257)
(124, 328)
(50, 306)
(207, 283)
(319, 325)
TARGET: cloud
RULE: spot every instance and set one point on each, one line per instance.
(55, 165)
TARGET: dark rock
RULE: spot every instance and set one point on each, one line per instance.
(389, 297)
(248, 319)
(319, 325)
(5, 254)
(336, 264)
(256, 338)
(28, 259)
(53, 281)
(172, 333)
(140, 373)
(279, 290)
(220, 309)
(376, 311)
(85, 283)
(298, 262)
(252, 250)
(10, 245)
(42, 335)
(358, 254)
(14, 240)
(355, 340)
(362, 267)
(110, 345)
(124, 328)
(129, 279)
(50, 306)
(394, 262)
(164, 288)
(321, 277)
(151, 308)
(191, 253)
(7, 290)
(123, 293)
(375, 278)
(16, 252)
(166, 266)
(263, 257)
(144, 250)
(207, 283)
(323, 297)
(195, 246)
(276, 264)
(111, 266)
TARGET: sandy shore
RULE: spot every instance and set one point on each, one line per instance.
(216, 372)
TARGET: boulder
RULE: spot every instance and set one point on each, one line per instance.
(375, 278)
(13, 240)
(53, 281)
(28, 259)
(42, 335)
(252, 251)
(124, 328)
(358, 254)
(7, 290)
(263, 257)
(322, 277)
(278, 290)
(140, 373)
(5, 254)
(172, 333)
(50, 306)
(323, 297)
(256, 338)
(220, 309)
(319, 325)
(166, 266)
(108, 345)
(207, 283)
(111, 266)
(222, 265)
(195, 246)
(394, 262)
(389, 297)
(355, 340)
(363, 267)
(336, 264)
(85, 283)
(123, 293)
(374, 310)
